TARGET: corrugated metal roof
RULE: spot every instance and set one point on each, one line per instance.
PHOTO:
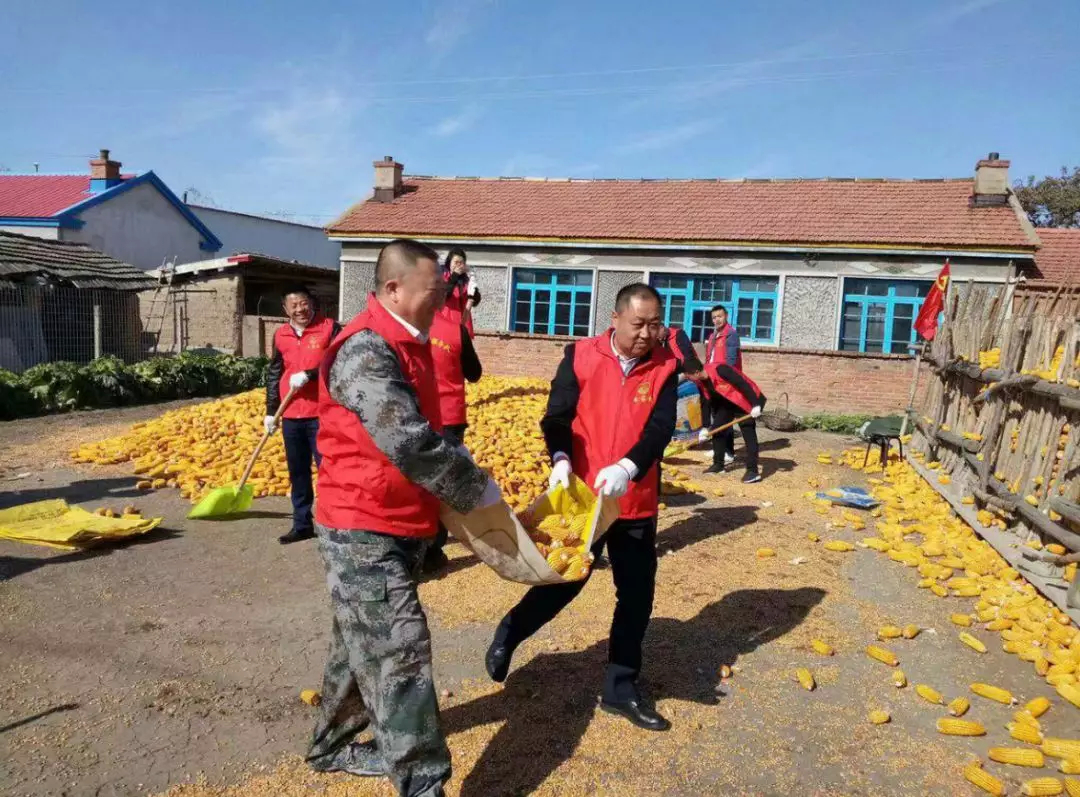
(74, 263)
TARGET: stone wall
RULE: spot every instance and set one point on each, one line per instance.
(809, 312)
(608, 285)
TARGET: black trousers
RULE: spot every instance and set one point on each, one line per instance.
(455, 433)
(631, 546)
(299, 436)
(723, 411)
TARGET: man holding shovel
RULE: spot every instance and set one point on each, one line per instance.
(610, 415)
(385, 469)
(298, 349)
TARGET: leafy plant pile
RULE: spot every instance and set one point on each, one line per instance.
(840, 424)
(109, 382)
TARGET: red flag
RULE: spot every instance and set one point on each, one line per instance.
(926, 323)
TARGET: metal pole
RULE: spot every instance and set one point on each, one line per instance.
(97, 330)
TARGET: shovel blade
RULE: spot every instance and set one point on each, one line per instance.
(223, 501)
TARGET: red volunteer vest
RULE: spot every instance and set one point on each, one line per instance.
(359, 488)
(611, 415)
(455, 305)
(717, 343)
(727, 390)
(302, 353)
(446, 355)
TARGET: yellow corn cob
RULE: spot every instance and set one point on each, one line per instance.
(1056, 548)
(805, 678)
(1023, 732)
(1070, 766)
(310, 696)
(910, 631)
(959, 706)
(1001, 624)
(1042, 666)
(899, 679)
(884, 655)
(1070, 691)
(993, 693)
(838, 545)
(879, 717)
(972, 642)
(1042, 787)
(1037, 706)
(929, 694)
(987, 615)
(1060, 679)
(889, 632)
(1054, 747)
(967, 592)
(765, 553)
(821, 647)
(813, 537)
(925, 582)
(961, 619)
(976, 775)
(939, 590)
(1024, 716)
(1072, 787)
(951, 726)
(1017, 756)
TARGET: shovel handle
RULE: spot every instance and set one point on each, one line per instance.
(719, 429)
(266, 436)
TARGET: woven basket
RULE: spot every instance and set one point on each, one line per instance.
(781, 420)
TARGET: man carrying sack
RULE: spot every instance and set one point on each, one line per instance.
(384, 471)
(609, 417)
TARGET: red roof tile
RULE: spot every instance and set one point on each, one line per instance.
(1058, 259)
(41, 195)
(883, 212)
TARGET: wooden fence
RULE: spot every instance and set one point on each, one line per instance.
(1001, 417)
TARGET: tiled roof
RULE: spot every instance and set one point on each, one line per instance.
(920, 213)
(22, 256)
(41, 195)
(1058, 259)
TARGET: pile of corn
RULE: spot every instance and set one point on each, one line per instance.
(560, 538)
(990, 358)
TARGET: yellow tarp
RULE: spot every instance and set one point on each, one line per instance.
(57, 525)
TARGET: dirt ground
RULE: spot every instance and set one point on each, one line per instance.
(173, 663)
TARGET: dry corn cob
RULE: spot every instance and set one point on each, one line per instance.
(1070, 766)
(1061, 748)
(911, 631)
(1023, 732)
(765, 553)
(995, 693)
(929, 694)
(1037, 706)
(1042, 787)
(1072, 787)
(884, 655)
(899, 679)
(959, 706)
(939, 590)
(1027, 718)
(1070, 691)
(1017, 756)
(839, 546)
(976, 775)
(889, 632)
(805, 678)
(972, 642)
(956, 727)
(961, 619)
(879, 717)
(821, 647)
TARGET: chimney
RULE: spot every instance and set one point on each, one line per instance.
(991, 181)
(104, 173)
(387, 179)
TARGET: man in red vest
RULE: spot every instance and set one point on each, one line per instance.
(610, 414)
(723, 344)
(456, 362)
(734, 395)
(385, 469)
(298, 349)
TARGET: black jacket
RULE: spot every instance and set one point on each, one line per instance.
(277, 367)
(677, 338)
(471, 368)
(562, 408)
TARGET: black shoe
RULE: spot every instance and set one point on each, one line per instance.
(296, 536)
(358, 758)
(751, 477)
(434, 561)
(638, 713)
(497, 660)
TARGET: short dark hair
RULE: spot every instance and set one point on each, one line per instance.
(638, 290)
(452, 254)
(297, 290)
(717, 308)
(398, 256)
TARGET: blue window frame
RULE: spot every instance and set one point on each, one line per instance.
(879, 315)
(551, 301)
(750, 302)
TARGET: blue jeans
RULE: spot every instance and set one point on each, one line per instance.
(299, 436)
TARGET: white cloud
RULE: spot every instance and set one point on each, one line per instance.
(459, 122)
(958, 11)
(451, 22)
(664, 139)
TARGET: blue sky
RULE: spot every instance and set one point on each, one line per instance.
(280, 107)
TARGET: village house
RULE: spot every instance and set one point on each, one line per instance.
(822, 277)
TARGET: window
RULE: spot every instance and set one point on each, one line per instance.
(750, 302)
(879, 315)
(551, 302)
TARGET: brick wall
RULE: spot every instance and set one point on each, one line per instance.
(815, 381)
(197, 314)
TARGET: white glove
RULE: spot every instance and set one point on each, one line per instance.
(560, 473)
(269, 424)
(703, 436)
(613, 481)
(492, 495)
(755, 412)
(470, 288)
(298, 380)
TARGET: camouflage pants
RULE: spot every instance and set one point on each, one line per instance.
(379, 668)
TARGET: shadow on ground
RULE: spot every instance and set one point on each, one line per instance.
(79, 492)
(15, 566)
(35, 717)
(547, 704)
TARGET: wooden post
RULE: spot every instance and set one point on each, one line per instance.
(97, 330)
(914, 390)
